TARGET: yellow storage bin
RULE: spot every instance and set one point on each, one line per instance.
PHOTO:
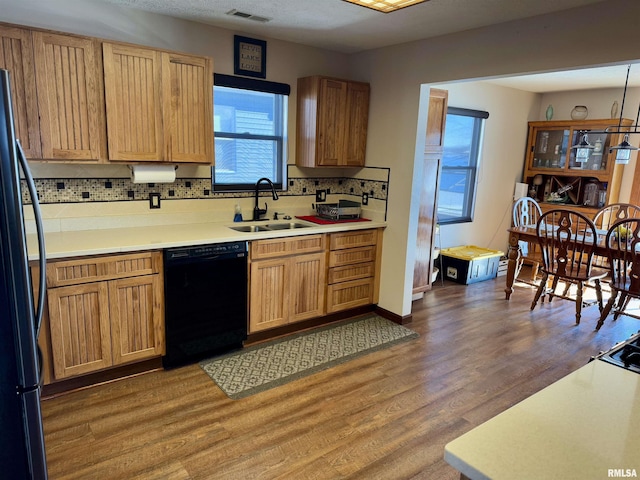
(470, 264)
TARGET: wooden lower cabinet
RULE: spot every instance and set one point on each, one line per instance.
(113, 314)
(80, 331)
(286, 282)
(353, 266)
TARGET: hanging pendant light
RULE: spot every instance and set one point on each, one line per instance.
(624, 148)
(583, 149)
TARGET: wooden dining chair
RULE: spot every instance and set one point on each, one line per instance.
(623, 251)
(526, 212)
(566, 239)
(607, 216)
(610, 214)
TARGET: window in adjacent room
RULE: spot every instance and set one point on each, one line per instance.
(462, 142)
(250, 130)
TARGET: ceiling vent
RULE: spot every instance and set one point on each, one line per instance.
(248, 16)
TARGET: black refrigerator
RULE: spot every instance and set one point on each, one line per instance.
(22, 453)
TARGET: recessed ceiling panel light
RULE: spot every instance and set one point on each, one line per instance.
(385, 6)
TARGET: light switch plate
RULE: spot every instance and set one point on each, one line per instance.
(154, 200)
(365, 198)
(321, 195)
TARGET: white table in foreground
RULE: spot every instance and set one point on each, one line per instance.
(584, 426)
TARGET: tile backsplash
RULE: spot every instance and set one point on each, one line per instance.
(82, 199)
(86, 190)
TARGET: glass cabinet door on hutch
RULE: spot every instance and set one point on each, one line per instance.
(581, 179)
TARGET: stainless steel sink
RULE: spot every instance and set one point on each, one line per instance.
(268, 227)
(286, 226)
(250, 228)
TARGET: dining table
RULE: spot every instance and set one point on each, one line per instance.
(527, 233)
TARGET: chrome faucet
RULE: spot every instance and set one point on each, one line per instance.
(257, 211)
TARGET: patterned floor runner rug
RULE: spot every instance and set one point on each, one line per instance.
(267, 365)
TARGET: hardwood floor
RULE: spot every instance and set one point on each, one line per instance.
(386, 415)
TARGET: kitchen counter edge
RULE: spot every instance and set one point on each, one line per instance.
(80, 243)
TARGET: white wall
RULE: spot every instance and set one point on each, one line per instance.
(549, 42)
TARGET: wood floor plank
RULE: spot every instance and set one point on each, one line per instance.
(386, 415)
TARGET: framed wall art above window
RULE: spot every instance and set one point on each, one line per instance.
(249, 57)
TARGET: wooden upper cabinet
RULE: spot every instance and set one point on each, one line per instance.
(332, 122)
(57, 94)
(132, 90)
(159, 105)
(70, 97)
(16, 56)
(358, 119)
(188, 111)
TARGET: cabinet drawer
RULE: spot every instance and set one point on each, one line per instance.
(278, 247)
(358, 238)
(350, 256)
(85, 270)
(346, 295)
(351, 272)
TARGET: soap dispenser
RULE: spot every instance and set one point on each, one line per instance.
(238, 215)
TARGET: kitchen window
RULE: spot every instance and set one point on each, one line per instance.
(250, 130)
(462, 142)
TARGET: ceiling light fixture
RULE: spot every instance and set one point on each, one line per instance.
(385, 6)
(624, 149)
(583, 149)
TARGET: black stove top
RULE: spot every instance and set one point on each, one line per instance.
(625, 354)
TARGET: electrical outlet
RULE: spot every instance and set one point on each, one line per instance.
(365, 198)
(154, 200)
(321, 195)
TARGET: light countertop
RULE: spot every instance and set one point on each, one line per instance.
(579, 427)
(114, 240)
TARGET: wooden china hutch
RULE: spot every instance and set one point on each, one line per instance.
(561, 176)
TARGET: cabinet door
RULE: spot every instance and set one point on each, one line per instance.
(308, 280)
(358, 118)
(132, 83)
(332, 122)
(436, 120)
(427, 216)
(188, 108)
(423, 266)
(16, 55)
(137, 325)
(270, 286)
(80, 332)
(70, 97)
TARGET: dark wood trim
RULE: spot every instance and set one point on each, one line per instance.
(305, 325)
(399, 319)
(105, 376)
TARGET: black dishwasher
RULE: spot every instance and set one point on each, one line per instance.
(205, 301)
